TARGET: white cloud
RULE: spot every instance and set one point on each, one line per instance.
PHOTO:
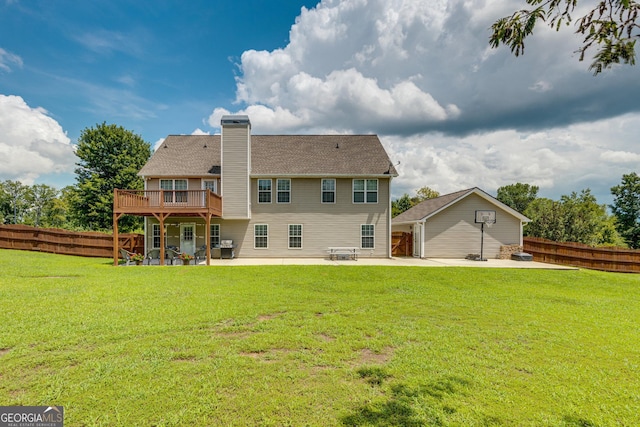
(8, 59)
(620, 157)
(31, 142)
(157, 144)
(559, 160)
(199, 131)
(455, 113)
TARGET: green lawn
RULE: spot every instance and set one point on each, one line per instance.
(318, 345)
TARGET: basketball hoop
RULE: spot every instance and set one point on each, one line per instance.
(484, 217)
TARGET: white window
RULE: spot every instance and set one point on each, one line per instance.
(365, 191)
(210, 184)
(295, 236)
(367, 237)
(264, 191)
(328, 191)
(261, 236)
(214, 235)
(283, 190)
(171, 187)
(155, 233)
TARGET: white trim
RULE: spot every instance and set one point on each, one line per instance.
(254, 236)
(215, 184)
(264, 191)
(365, 191)
(288, 191)
(373, 228)
(211, 234)
(322, 191)
(289, 236)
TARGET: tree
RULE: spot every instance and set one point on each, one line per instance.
(40, 198)
(611, 25)
(425, 193)
(15, 195)
(547, 220)
(585, 220)
(406, 202)
(574, 218)
(110, 157)
(401, 205)
(626, 207)
(518, 196)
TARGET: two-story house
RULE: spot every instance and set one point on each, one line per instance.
(272, 195)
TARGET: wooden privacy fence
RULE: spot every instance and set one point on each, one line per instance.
(65, 242)
(579, 255)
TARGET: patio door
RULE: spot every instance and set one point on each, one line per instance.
(188, 238)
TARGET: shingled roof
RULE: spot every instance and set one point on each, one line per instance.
(430, 207)
(276, 155)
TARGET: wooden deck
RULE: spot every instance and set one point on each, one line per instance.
(179, 202)
(162, 204)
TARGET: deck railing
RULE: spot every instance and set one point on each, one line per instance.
(136, 201)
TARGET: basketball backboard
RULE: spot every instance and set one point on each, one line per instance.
(486, 217)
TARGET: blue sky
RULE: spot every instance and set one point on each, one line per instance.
(452, 111)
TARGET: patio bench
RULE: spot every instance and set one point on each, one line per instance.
(343, 252)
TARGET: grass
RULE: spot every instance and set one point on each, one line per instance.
(318, 345)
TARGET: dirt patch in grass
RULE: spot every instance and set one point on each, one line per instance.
(270, 316)
(269, 356)
(325, 337)
(370, 357)
(240, 335)
(4, 351)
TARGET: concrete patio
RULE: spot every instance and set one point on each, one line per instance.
(392, 262)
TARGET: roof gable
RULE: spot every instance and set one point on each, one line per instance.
(430, 207)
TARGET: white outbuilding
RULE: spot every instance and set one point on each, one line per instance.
(459, 224)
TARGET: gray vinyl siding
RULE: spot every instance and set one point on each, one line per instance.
(453, 233)
(235, 171)
(323, 225)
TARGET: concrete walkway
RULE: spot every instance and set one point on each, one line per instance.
(396, 262)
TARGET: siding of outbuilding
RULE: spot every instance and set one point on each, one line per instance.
(453, 233)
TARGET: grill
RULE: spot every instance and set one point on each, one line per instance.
(227, 249)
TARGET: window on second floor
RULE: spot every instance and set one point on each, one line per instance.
(210, 184)
(365, 191)
(172, 187)
(283, 191)
(328, 191)
(264, 191)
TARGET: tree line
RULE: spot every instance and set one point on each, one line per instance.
(109, 157)
(576, 217)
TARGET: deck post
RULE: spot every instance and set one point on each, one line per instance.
(207, 238)
(115, 239)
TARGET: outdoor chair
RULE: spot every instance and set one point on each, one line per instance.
(126, 255)
(201, 254)
(153, 254)
(171, 254)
